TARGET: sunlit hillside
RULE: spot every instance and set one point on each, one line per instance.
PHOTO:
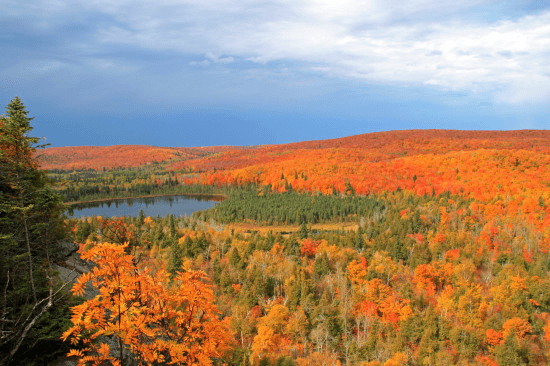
(424, 247)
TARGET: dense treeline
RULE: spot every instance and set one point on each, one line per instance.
(270, 208)
(425, 280)
(90, 185)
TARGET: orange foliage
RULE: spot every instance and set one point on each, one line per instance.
(486, 361)
(494, 338)
(452, 254)
(383, 302)
(271, 340)
(118, 156)
(357, 272)
(517, 326)
(547, 329)
(483, 165)
(432, 277)
(319, 359)
(115, 230)
(155, 320)
(378, 147)
(504, 174)
(309, 247)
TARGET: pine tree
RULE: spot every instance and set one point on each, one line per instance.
(31, 227)
(172, 226)
(304, 232)
(176, 258)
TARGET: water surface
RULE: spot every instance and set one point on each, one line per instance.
(151, 206)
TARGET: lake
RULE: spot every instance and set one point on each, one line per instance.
(151, 206)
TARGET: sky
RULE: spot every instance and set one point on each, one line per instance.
(217, 72)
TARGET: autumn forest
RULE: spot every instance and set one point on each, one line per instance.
(418, 247)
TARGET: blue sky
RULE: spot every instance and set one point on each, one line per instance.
(216, 72)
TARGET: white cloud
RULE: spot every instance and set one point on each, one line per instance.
(211, 58)
(218, 59)
(418, 42)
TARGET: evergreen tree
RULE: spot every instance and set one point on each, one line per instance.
(359, 241)
(176, 258)
(235, 258)
(321, 267)
(141, 217)
(304, 232)
(507, 353)
(172, 226)
(31, 228)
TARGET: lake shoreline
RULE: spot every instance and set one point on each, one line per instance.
(216, 195)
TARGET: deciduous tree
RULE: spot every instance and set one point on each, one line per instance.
(152, 320)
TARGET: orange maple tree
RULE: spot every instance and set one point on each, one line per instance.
(151, 319)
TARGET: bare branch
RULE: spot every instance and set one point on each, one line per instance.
(4, 311)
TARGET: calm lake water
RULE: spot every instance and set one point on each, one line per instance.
(151, 206)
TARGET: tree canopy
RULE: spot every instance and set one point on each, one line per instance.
(31, 228)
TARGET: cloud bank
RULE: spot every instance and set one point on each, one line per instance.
(423, 42)
(313, 63)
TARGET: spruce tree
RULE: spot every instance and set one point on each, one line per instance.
(304, 232)
(31, 228)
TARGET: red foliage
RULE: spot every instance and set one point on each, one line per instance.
(452, 254)
(309, 247)
(118, 156)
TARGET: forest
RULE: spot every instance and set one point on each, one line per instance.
(419, 247)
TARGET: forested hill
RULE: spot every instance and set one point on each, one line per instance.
(425, 247)
(120, 156)
(484, 165)
(379, 145)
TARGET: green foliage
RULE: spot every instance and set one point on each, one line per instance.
(176, 258)
(31, 228)
(285, 361)
(321, 266)
(44, 343)
(293, 208)
(401, 239)
(508, 353)
(304, 232)
(89, 185)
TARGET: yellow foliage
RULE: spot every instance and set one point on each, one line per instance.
(398, 359)
(325, 358)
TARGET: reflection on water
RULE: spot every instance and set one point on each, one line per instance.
(151, 206)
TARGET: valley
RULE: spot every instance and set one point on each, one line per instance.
(406, 247)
